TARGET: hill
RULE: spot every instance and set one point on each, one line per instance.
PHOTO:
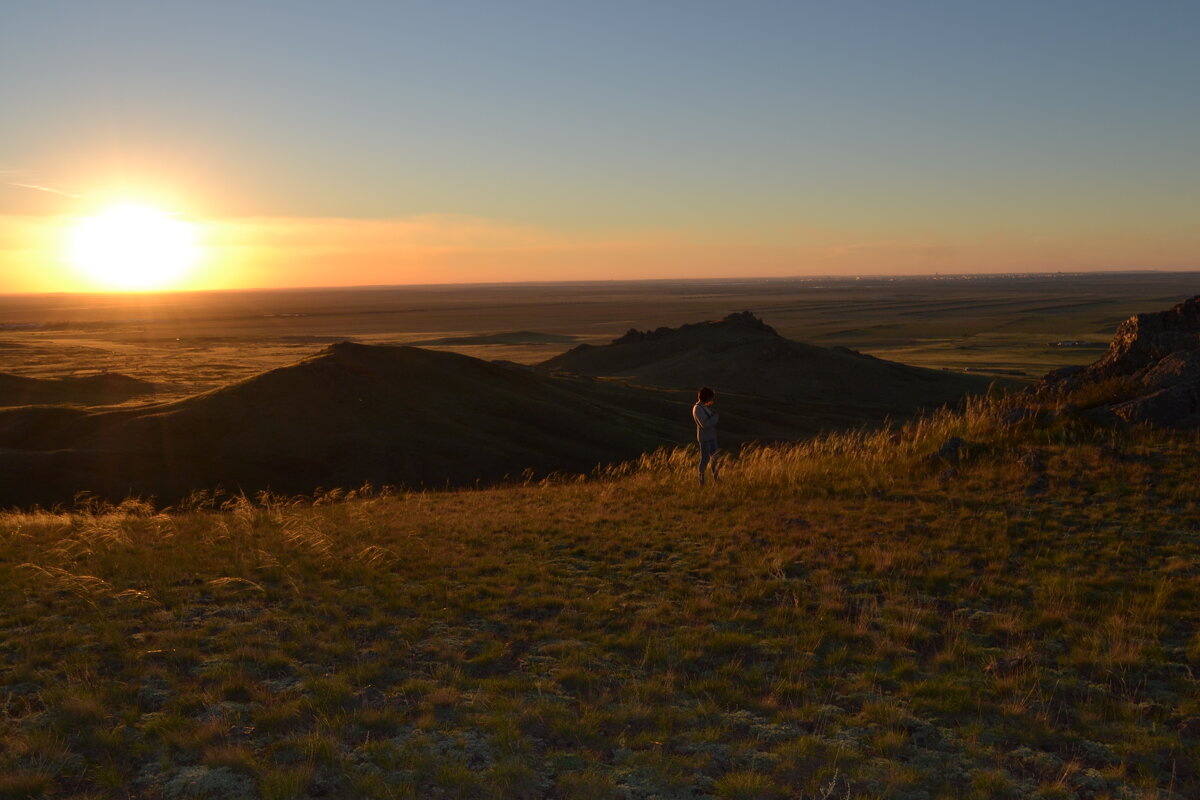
(853, 616)
(404, 416)
(743, 355)
(100, 389)
(348, 415)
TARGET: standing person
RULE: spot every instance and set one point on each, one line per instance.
(706, 418)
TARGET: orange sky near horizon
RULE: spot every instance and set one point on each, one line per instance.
(270, 252)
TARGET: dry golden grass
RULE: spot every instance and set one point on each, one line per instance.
(855, 615)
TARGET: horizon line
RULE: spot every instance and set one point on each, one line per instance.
(612, 281)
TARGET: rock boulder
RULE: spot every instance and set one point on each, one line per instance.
(1150, 373)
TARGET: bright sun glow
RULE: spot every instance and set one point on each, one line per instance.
(134, 248)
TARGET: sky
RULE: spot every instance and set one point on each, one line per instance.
(361, 143)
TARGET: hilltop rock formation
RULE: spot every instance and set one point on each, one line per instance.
(741, 354)
(1150, 373)
(740, 321)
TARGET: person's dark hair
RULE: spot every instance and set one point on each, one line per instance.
(705, 394)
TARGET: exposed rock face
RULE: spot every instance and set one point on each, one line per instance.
(1144, 340)
(1152, 369)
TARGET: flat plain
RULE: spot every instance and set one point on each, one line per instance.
(1013, 327)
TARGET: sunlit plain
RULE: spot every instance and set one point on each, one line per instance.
(133, 248)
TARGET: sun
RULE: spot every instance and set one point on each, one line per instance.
(134, 248)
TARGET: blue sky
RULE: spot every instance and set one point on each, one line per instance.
(753, 123)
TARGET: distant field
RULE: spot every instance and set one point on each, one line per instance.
(194, 342)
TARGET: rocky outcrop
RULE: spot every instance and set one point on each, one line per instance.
(1150, 374)
(741, 321)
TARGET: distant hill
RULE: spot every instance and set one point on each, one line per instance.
(350, 414)
(101, 389)
(742, 354)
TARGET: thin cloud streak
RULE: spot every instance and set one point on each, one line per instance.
(49, 189)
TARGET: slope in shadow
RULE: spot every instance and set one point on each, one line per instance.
(744, 355)
(410, 417)
(350, 414)
(102, 389)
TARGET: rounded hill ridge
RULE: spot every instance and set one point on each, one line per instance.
(349, 414)
(742, 354)
(407, 416)
(99, 389)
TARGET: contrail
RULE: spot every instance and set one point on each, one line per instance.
(35, 187)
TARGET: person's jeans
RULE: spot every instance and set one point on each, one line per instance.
(708, 452)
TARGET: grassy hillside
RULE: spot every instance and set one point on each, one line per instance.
(851, 617)
(398, 416)
(350, 414)
(743, 354)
